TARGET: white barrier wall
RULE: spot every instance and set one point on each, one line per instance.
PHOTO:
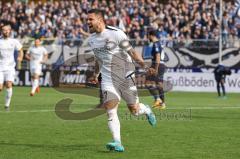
(186, 81)
(201, 81)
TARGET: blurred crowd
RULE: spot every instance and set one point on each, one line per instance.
(178, 19)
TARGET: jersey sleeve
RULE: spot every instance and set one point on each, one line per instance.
(123, 41)
(29, 50)
(157, 49)
(44, 51)
(18, 45)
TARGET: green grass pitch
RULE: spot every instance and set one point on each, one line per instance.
(194, 126)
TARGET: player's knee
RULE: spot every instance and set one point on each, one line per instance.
(133, 108)
(111, 104)
(8, 84)
(34, 77)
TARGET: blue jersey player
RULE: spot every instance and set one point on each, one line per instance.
(154, 79)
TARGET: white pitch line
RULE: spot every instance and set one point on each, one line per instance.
(27, 111)
(202, 108)
(203, 105)
(192, 108)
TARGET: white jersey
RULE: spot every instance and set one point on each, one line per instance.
(36, 55)
(7, 48)
(114, 61)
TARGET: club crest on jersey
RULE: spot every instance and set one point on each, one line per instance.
(110, 45)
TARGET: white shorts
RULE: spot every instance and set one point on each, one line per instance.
(7, 76)
(36, 69)
(127, 90)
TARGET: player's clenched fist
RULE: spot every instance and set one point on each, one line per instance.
(151, 71)
(93, 79)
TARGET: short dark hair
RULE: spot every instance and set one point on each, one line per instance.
(152, 32)
(37, 39)
(5, 23)
(97, 12)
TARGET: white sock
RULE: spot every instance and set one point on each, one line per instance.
(34, 85)
(114, 124)
(143, 110)
(8, 97)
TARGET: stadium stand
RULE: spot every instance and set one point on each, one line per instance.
(188, 19)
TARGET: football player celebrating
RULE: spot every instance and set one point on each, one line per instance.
(7, 62)
(114, 56)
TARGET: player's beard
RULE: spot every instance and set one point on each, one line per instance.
(95, 28)
(91, 30)
(6, 35)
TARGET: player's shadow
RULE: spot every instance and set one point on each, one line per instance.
(55, 147)
(59, 148)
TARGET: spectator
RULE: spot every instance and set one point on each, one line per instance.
(174, 19)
